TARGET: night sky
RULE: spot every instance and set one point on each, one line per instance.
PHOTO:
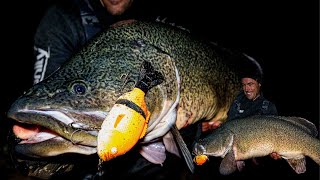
(282, 35)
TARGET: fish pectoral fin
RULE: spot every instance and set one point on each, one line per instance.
(182, 147)
(154, 152)
(298, 164)
(170, 144)
(228, 164)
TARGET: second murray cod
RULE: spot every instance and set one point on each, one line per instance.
(63, 113)
(292, 138)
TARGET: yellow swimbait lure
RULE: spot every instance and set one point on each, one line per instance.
(127, 121)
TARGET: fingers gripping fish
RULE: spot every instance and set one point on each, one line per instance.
(127, 121)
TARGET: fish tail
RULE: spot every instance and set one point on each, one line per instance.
(313, 150)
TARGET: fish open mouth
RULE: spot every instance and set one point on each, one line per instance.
(46, 133)
(68, 164)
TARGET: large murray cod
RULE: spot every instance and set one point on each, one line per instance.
(63, 113)
(293, 138)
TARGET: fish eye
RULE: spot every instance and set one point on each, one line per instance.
(79, 88)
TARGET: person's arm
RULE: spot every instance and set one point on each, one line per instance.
(57, 36)
(208, 126)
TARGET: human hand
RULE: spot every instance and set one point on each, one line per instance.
(275, 156)
(209, 126)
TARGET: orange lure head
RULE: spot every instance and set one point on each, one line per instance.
(200, 159)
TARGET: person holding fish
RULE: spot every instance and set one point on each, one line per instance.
(68, 25)
(250, 101)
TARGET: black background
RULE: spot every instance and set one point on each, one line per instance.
(282, 35)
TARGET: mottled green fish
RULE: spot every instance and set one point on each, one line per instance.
(65, 111)
(293, 138)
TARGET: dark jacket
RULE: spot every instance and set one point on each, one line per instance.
(244, 107)
(65, 27)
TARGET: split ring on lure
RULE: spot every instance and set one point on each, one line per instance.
(127, 120)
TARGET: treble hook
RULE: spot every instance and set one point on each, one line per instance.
(74, 142)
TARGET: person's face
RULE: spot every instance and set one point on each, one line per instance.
(116, 7)
(251, 88)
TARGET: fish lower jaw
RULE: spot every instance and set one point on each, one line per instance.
(35, 136)
(216, 154)
(52, 147)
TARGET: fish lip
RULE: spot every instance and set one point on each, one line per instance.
(198, 149)
(61, 124)
(35, 150)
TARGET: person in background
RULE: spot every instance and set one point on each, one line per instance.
(250, 101)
